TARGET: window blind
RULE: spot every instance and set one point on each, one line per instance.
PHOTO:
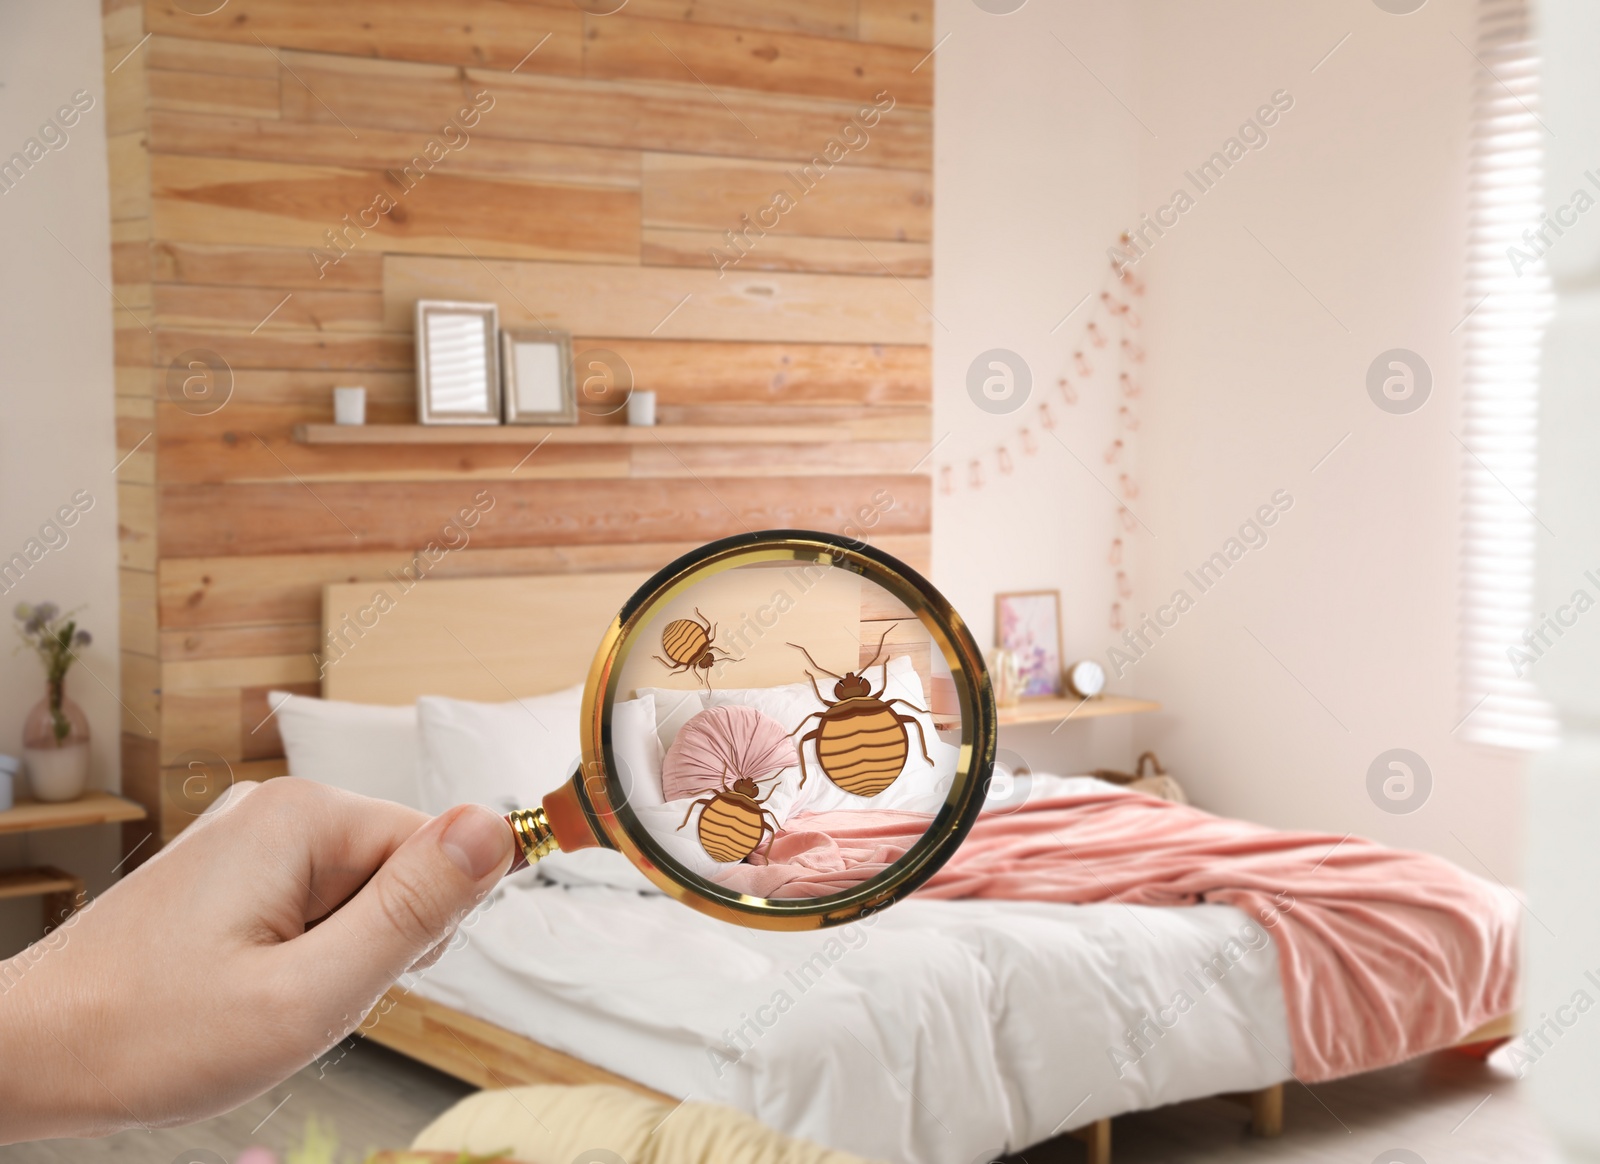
(1508, 302)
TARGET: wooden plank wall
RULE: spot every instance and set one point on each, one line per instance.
(289, 176)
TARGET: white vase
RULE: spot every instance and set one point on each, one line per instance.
(57, 773)
(1005, 674)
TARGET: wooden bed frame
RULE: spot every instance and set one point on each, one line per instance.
(467, 638)
(488, 1056)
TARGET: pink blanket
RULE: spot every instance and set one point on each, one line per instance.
(1385, 954)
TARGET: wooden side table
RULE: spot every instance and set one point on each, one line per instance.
(1062, 708)
(60, 892)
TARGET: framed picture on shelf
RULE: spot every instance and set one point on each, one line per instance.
(458, 365)
(537, 368)
(1028, 624)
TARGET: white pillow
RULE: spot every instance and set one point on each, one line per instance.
(360, 747)
(504, 755)
(920, 787)
(638, 755)
(594, 867)
(788, 703)
(674, 708)
(637, 750)
(904, 683)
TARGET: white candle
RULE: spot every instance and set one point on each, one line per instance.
(642, 409)
(349, 406)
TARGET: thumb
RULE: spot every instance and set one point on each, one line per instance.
(416, 898)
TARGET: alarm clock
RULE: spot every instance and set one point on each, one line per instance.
(1086, 679)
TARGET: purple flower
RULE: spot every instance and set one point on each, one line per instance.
(82, 639)
(46, 611)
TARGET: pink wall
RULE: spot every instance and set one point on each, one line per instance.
(1034, 169)
(1340, 238)
(57, 436)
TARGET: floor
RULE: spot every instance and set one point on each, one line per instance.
(1444, 1110)
(372, 1098)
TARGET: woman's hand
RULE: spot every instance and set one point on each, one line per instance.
(246, 948)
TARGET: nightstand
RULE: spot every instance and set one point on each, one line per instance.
(1059, 709)
(60, 893)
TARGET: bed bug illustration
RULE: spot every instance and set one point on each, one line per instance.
(690, 647)
(733, 823)
(862, 742)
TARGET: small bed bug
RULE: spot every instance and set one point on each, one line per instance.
(862, 743)
(689, 647)
(733, 823)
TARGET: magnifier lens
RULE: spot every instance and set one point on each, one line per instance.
(785, 728)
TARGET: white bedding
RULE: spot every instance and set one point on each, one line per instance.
(933, 1033)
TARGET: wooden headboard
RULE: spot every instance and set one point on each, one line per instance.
(500, 638)
(490, 639)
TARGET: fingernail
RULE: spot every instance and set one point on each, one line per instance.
(477, 842)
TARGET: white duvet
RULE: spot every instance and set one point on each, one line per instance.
(937, 1032)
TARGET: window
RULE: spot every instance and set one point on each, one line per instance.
(1508, 297)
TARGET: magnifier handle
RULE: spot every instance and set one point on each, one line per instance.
(530, 827)
(558, 823)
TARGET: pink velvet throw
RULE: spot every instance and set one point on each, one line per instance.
(1384, 953)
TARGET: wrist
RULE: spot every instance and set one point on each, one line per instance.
(49, 1089)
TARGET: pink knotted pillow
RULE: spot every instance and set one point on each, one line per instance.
(721, 745)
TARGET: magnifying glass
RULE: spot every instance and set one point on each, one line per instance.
(785, 729)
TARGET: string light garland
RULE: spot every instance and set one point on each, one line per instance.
(1113, 312)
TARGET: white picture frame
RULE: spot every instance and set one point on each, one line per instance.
(537, 377)
(458, 363)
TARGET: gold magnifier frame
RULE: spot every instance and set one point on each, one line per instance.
(592, 809)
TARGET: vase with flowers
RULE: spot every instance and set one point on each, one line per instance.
(55, 736)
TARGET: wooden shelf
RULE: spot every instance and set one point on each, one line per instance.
(60, 893)
(1070, 708)
(37, 882)
(89, 809)
(577, 434)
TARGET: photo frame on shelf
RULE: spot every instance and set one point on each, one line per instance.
(537, 378)
(458, 365)
(1027, 623)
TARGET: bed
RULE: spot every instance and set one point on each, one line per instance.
(939, 1032)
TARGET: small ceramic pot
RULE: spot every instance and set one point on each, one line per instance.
(10, 771)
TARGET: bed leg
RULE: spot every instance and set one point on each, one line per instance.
(1096, 1138)
(1480, 1051)
(1266, 1108)
(1266, 1111)
(1488, 1038)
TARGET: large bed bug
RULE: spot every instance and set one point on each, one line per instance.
(689, 647)
(862, 743)
(733, 823)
